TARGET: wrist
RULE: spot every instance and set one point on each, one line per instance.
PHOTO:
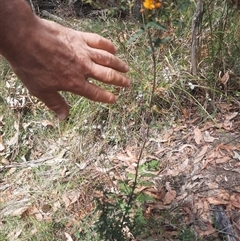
(17, 25)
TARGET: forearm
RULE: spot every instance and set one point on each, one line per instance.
(16, 23)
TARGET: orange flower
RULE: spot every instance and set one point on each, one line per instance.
(158, 5)
(151, 4)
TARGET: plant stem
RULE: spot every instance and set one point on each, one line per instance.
(148, 119)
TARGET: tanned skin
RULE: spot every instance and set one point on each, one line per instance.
(49, 58)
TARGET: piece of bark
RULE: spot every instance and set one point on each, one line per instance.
(222, 222)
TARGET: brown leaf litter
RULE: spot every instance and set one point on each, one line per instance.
(198, 167)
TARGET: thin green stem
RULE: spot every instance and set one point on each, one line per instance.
(148, 118)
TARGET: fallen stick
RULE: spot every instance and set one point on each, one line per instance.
(223, 224)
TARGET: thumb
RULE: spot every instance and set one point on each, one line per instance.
(55, 102)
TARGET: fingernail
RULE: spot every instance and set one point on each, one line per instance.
(62, 116)
(126, 68)
(129, 82)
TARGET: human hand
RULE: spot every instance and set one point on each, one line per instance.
(52, 58)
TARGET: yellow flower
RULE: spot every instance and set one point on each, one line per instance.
(151, 4)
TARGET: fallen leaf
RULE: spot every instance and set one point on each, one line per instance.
(235, 200)
(235, 204)
(227, 125)
(181, 197)
(212, 185)
(70, 198)
(206, 233)
(206, 162)
(56, 206)
(228, 148)
(66, 200)
(185, 146)
(169, 197)
(155, 193)
(216, 201)
(11, 171)
(231, 116)
(14, 139)
(19, 211)
(167, 135)
(30, 211)
(148, 212)
(223, 159)
(208, 138)
(223, 195)
(197, 135)
(5, 161)
(200, 156)
(224, 79)
(185, 113)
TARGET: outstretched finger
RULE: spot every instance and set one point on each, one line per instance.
(95, 93)
(98, 42)
(104, 58)
(109, 76)
(55, 102)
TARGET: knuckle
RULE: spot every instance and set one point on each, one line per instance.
(108, 60)
(110, 76)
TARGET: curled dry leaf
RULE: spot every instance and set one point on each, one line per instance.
(228, 148)
(215, 201)
(201, 154)
(212, 185)
(235, 200)
(210, 230)
(197, 135)
(224, 79)
(33, 211)
(223, 159)
(208, 138)
(223, 195)
(182, 197)
(70, 198)
(231, 116)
